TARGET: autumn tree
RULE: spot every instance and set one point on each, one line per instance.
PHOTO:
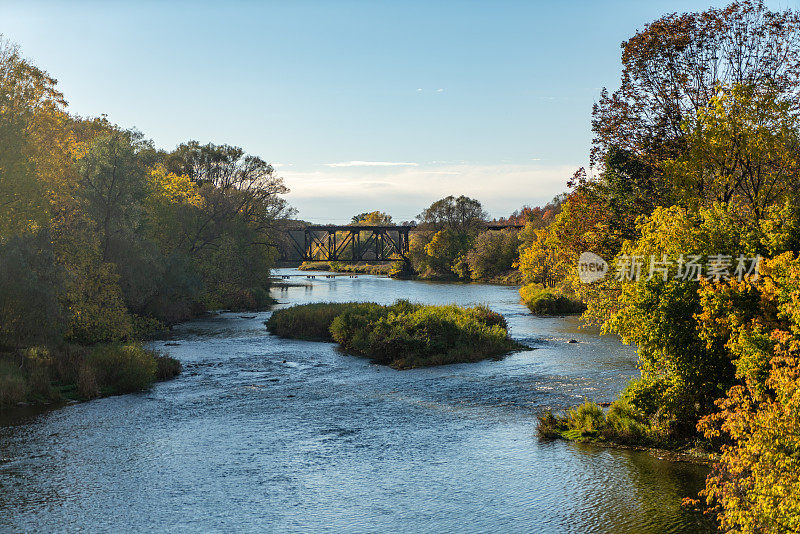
(448, 229)
(30, 107)
(372, 218)
(493, 253)
(673, 67)
(230, 238)
(741, 150)
(755, 485)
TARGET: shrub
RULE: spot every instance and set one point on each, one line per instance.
(167, 367)
(13, 388)
(585, 421)
(311, 322)
(315, 266)
(87, 385)
(123, 368)
(543, 301)
(625, 423)
(622, 424)
(42, 375)
(551, 426)
(402, 335)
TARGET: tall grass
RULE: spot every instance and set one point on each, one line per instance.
(43, 375)
(310, 322)
(621, 424)
(402, 335)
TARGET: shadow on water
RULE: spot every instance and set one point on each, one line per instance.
(261, 433)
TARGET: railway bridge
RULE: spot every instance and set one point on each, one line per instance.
(352, 243)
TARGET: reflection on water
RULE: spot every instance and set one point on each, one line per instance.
(261, 433)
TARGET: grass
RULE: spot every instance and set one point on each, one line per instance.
(340, 267)
(310, 322)
(542, 301)
(621, 424)
(403, 335)
(40, 375)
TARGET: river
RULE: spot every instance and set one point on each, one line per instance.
(266, 434)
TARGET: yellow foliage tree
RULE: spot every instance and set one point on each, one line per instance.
(755, 487)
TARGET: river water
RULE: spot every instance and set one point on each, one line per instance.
(266, 434)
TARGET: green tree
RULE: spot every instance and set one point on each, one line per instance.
(30, 312)
(372, 218)
(462, 214)
(741, 150)
(493, 252)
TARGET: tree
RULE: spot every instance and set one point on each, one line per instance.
(372, 218)
(683, 370)
(672, 69)
(113, 185)
(493, 253)
(234, 186)
(741, 150)
(462, 214)
(228, 232)
(756, 483)
(35, 146)
(30, 312)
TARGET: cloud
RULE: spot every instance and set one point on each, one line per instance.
(336, 193)
(372, 164)
(440, 90)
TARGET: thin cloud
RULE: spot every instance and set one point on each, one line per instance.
(336, 194)
(372, 164)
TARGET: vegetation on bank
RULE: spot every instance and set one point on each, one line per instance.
(688, 195)
(384, 269)
(105, 238)
(622, 424)
(40, 375)
(399, 269)
(402, 335)
(452, 242)
(550, 301)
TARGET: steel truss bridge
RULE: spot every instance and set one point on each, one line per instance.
(352, 243)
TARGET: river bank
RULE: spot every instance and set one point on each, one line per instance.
(54, 376)
(510, 278)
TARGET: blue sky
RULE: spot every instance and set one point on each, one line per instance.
(359, 105)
